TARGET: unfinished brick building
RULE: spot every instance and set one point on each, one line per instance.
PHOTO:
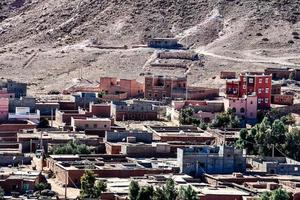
(113, 86)
(162, 87)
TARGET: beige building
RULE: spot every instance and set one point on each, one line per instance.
(91, 124)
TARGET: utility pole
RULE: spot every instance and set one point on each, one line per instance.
(273, 150)
(51, 117)
(66, 183)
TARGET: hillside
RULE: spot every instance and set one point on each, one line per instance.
(44, 42)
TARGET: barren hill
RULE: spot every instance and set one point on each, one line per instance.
(45, 42)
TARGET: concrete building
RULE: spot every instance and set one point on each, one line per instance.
(93, 123)
(24, 114)
(29, 102)
(276, 165)
(134, 110)
(130, 88)
(31, 140)
(83, 99)
(184, 134)
(19, 89)
(244, 107)
(211, 159)
(122, 136)
(69, 168)
(249, 83)
(164, 43)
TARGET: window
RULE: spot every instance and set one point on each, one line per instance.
(266, 100)
(250, 80)
(86, 125)
(267, 90)
(251, 102)
(95, 125)
(244, 79)
(259, 91)
(105, 125)
(242, 110)
(149, 94)
(234, 109)
(260, 80)
(244, 87)
(267, 80)
(259, 100)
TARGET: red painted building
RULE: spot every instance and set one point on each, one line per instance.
(249, 83)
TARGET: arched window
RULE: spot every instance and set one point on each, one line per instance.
(234, 110)
(242, 110)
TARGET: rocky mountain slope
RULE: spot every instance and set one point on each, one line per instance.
(44, 42)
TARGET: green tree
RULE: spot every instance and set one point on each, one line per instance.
(44, 123)
(280, 194)
(278, 132)
(89, 187)
(146, 193)
(159, 194)
(226, 120)
(187, 193)
(288, 119)
(71, 148)
(41, 186)
(265, 195)
(186, 116)
(170, 191)
(292, 144)
(134, 189)
(2, 193)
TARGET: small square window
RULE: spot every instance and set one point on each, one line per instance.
(267, 80)
(266, 100)
(267, 90)
(259, 91)
(250, 80)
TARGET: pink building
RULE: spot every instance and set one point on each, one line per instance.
(5, 94)
(113, 86)
(245, 107)
(4, 102)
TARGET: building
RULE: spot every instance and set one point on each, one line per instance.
(69, 168)
(160, 87)
(31, 140)
(180, 134)
(19, 89)
(249, 83)
(24, 114)
(83, 99)
(164, 87)
(282, 99)
(244, 107)
(211, 159)
(13, 180)
(120, 89)
(280, 73)
(4, 103)
(93, 123)
(276, 165)
(134, 110)
(165, 43)
(227, 75)
(29, 102)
